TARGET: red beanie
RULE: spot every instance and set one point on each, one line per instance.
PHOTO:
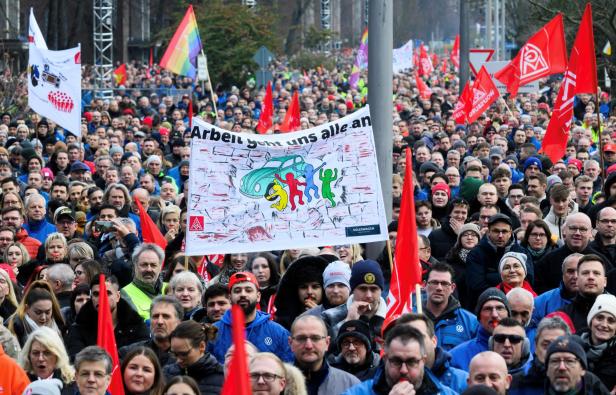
(442, 187)
(576, 162)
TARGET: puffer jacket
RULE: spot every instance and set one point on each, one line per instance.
(529, 381)
(207, 372)
(550, 301)
(454, 326)
(379, 386)
(449, 376)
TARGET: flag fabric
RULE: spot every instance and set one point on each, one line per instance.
(119, 75)
(291, 118)
(444, 66)
(34, 32)
(607, 49)
(483, 94)
(54, 86)
(149, 230)
(455, 52)
(460, 111)
(425, 63)
(190, 112)
(542, 55)
(406, 272)
(361, 60)
(580, 77)
(184, 47)
(237, 381)
(105, 338)
(424, 91)
(267, 111)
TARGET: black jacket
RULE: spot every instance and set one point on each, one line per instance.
(442, 240)
(604, 367)
(578, 310)
(207, 372)
(130, 329)
(164, 356)
(607, 251)
(364, 372)
(530, 381)
(591, 385)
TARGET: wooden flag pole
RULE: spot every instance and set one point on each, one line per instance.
(207, 71)
(601, 160)
(391, 261)
(418, 299)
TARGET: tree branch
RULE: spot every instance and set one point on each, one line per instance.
(553, 11)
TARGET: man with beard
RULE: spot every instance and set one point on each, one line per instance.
(354, 343)
(118, 196)
(266, 335)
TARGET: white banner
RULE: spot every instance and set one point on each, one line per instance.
(34, 32)
(495, 66)
(273, 192)
(54, 86)
(403, 57)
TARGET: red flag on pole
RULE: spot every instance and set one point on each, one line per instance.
(151, 60)
(291, 119)
(543, 54)
(149, 230)
(267, 111)
(581, 77)
(119, 74)
(190, 112)
(425, 64)
(455, 52)
(483, 93)
(460, 111)
(237, 381)
(406, 272)
(424, 91)
(105, 338)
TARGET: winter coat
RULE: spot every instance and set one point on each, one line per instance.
(32, 245)
(529, 381)
(555, 223)
(608, 251)
(335, 317)
(449, 376)
(130, 328)
(378, 386)
(578, 311)
(591, 385)
(266, 335)
(21, 329)
(604, 367)
(550, 301)
(39, 229)
(482, 266)
(328, 381)
(207, 372)
(454, 326)
(164, 356)
(442, 240)
(462, 354)
(13, 380)
(364, 372)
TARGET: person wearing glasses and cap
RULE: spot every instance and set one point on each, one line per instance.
(510, 342)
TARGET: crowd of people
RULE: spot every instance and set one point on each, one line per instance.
(517, 252)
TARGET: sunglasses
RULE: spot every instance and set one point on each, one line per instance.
(513, 339)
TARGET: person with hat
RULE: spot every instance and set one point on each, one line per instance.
(336, 277)
(513, 271)
(36, 224)
(356, 355)
(567, 369)
(367, 283)
(492, 307)
(609, 154)
(78, 171)
(261, 331)
(482, 262)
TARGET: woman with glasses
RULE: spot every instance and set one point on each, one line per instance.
(188, 345)
(538, 240)
(349, 253)
(512, 269)
(86, 271)
(468, 237)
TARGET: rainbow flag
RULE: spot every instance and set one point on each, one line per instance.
(181, 55)
(361, 61)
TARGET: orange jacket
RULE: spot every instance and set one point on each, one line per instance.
(32, 245)
(13, 380)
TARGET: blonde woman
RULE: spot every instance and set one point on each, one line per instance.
(44, 356)
(8, 299)
(56, 250)
(169, 221)
(16, 255)
(79, 251)
(349, 253)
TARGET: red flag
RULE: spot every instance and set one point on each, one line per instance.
(581, 77)
(434, 58)
(267, 111)
(406, 272)
(455, 52)
(461, 109)
(190, 112)
(291, 119)
(483, 93)
(444, 66)
(543, 54)
(151, 60)
(425, 64)
(237, 381)
(149, 230)
(119, 74)
(105, 338)
(424, 91)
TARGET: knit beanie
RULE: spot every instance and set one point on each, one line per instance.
(491, 294)
(470, 188)
(604, 303)
(522, 258)
(469, 227)
(367, 272)
(441, 186)
(532, 161)
(567, 344)
(356, 328)
(337, 272)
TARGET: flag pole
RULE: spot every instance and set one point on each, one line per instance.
(418, 299)
(391, 261)
(207, 71)
(601, 160)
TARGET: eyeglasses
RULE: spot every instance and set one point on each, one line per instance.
(267, 377)
(554, 363)
(575, 229)
(347, 343)
(537, 235)
(339, 247)
(411, 363)
(435, 283)
(303, 339)
(513, 339)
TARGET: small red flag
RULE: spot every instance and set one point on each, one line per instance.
(542, 55)
(149, 230)
(406, 272)
(424, 91)
(425, 64)
(581, 77)
(151, 60)
(237, 381)
(119, 74)
(455, 52)
(483, 93)
(460, 111)
(105, 338)
(190, 112)
(267, 111)
(291, 119)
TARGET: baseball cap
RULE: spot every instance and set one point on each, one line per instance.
(609, 148)
(63, 211)
(79, 166)
(241, 277)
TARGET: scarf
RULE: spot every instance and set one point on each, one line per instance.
(31, 325)
(226, 274)
(151, 290)
(535, 253)
(594, 352)
(463, 254)
(506, 287)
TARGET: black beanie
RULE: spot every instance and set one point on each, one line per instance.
(491, 294)
(367, 272)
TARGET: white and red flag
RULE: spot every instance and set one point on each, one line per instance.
(460, 111)
(425, 63)
(455, 52)
(34, 32)
(483, 94)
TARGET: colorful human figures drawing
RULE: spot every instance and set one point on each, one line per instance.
(294, 191)
(278, 191)
(327, 177)
(309, 172)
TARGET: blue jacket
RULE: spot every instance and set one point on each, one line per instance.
(462, 354)
(39, 230)
(548, 302)
(449, 376)
(266, 335)
(367, 387)
(454, 326)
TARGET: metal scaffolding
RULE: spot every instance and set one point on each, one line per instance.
(103, 46)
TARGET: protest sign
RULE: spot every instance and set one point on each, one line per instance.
(402, 58)
(250, 192)
(54, 86)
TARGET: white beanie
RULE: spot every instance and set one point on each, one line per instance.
(522, 258)
(337, 272)
(604, 303)
(44, 387)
